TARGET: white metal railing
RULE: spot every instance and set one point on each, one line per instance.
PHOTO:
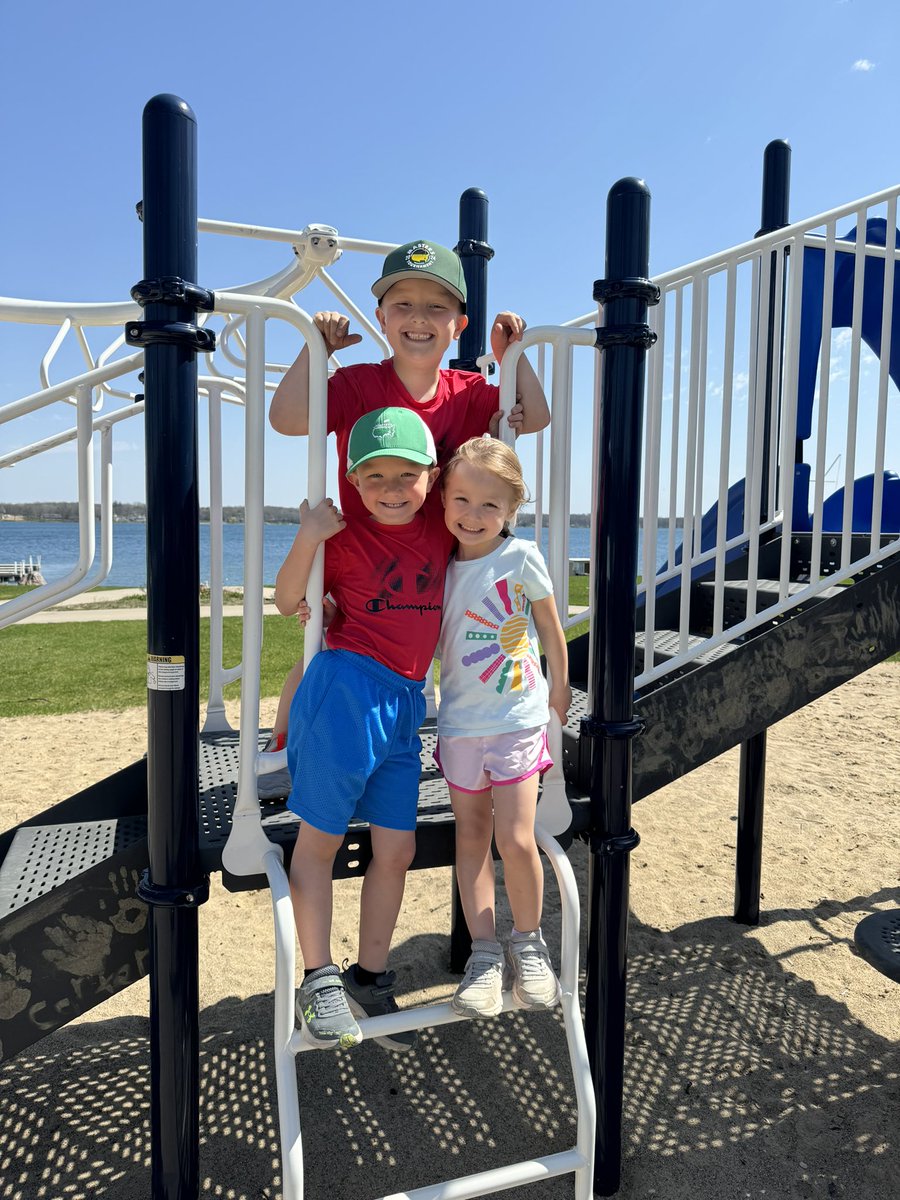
(313, 249)
(704, 425)
(709, 364)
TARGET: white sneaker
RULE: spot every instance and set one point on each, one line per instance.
(481, 992)
(528, 972)
(274, 785)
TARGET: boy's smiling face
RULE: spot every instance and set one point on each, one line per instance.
(420, 320)
(393, 489)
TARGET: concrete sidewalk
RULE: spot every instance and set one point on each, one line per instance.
(67, 611)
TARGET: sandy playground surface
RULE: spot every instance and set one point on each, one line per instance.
(759, 1062)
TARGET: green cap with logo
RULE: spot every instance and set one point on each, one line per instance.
(392, 433)
(427, 260)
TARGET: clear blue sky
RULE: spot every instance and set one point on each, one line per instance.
(373, 118)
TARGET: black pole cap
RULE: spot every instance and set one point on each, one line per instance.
(165, 104)
(628, 220)
(776, 186)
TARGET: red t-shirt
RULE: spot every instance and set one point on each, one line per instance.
(388, 584)
(460, 409)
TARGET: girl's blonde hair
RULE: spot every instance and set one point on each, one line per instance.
(490, 454)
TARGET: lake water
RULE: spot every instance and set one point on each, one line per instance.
(56, 542)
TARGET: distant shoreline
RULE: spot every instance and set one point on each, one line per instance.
(135, 514)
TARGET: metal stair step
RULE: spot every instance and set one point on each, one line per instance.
(767, 592)
(43, 857)
(667, 645)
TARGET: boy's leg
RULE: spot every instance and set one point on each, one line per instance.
(382, 894)
(275, 784)
(370, 986)
(312, 864)
(289, 687)
(322, 1006)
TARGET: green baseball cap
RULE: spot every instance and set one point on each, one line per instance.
(423, 259)
(392, 433)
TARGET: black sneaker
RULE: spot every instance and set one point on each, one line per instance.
(375, 1000)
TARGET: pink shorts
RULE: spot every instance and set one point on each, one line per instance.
(476, 764)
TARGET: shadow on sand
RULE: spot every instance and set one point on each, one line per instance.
(742, 1081)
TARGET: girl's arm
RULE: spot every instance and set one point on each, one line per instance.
(553, 643)
(316, 526)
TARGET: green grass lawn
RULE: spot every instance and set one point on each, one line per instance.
(78, 667)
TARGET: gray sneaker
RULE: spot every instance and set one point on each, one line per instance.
(481, 992)
(325, 1019)
(375, 1000)
(528, 972)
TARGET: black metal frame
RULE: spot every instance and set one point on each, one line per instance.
(624, 338)
(752, 771)
(174, 884)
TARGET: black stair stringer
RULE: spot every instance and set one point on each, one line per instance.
(796, 659)
(72, 929)
(72, 948)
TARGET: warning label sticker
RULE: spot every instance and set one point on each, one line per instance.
(165, 672)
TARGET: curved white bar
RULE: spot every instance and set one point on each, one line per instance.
(61, 391)
(52, 312)
(43, 597)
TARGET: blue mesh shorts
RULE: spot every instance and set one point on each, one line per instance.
(353, 744)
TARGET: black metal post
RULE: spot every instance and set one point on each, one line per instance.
(624, 339)
(751, 804)
(475, 253)
(752, 772)
(174, 884)
(775, 201)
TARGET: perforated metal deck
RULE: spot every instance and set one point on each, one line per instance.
(219, 759)
(42, 857)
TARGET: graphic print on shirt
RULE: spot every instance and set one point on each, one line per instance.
(405, 585)
(505, 661)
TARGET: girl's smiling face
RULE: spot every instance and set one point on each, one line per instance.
(477, 505)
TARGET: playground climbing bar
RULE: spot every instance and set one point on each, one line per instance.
(174, 885)
(623, 338)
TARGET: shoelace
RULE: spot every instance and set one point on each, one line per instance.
(479, 969)
(532, 961)
(329, 1001)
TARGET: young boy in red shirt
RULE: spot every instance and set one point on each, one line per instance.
(353, 743)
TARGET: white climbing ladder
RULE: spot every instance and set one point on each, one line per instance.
(288, 1043)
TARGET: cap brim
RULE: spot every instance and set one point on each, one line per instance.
(422, 460)
(380, 286)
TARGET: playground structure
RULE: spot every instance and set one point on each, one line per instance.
(745, 589)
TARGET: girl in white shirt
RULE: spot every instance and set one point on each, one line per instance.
(492, 744)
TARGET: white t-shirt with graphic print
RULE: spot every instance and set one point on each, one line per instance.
(491, 679)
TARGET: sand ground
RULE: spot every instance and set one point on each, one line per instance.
(760, 1062)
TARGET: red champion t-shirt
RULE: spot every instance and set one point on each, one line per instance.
(460, 409)
(388, 584)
